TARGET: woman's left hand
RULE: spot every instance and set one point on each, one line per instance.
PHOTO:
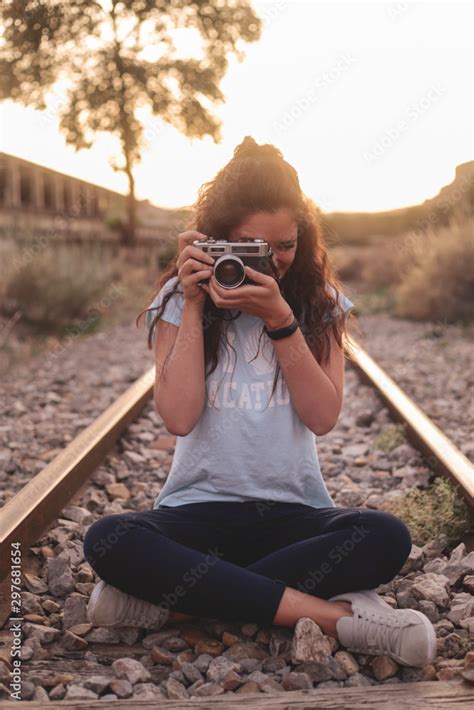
(263, 300)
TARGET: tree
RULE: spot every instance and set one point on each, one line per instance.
(116, 56)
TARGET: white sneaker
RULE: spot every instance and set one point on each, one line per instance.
(108, 606)
(406, 635)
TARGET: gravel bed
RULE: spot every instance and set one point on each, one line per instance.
(48, 402)
(64, 657)
(434, 364)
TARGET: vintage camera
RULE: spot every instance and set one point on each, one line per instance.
(232, 257)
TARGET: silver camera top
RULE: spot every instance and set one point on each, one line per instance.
(240, 247)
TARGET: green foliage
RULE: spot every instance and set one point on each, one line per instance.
(390, 437)
(437, 513)
(111, 77)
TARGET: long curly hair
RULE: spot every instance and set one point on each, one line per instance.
(258, 179)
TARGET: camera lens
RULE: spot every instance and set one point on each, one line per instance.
(229, 271)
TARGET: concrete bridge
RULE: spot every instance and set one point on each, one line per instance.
(35, 200)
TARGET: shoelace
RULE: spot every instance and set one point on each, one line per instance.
(138, 611)
(377, 632)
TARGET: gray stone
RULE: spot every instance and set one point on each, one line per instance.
(103, 635)
(75, 610)
(60, 578)
(97, 683)
(414, 561)
(191, 672)
(219, 667)
(78, 514)
(209, 689)
(202, 662)
(44, 634)
(121, 688)
(78, 692)
(131, 669)
(31, 603)
(175, 690)
(248, 665)
(245, 649)
(317, 670)
(157, 637)
(353, 451)
(148, 691)
(357, 680)
(429, 609)
(41, 696)
(433, 587)
(443, 628)
(457, 554)
(462, 607)
(297, 681)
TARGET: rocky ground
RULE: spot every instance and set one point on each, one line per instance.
(50, 401)
(433, 363)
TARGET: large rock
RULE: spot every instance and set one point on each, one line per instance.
(309, 643)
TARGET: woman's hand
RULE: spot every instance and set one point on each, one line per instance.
(193, 266)
(263, 300)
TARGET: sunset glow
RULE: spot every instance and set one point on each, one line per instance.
(369, 101)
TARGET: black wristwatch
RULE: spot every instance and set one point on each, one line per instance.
(282, 332)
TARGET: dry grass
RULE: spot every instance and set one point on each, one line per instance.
(56, 288)
(437, 275)
(425, 276)
(76, 287)
(390, 437)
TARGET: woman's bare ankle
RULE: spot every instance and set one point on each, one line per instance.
(343, 609)
(295, 605)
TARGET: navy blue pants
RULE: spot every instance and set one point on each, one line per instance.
(232, 560)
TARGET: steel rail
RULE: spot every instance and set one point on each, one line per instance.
(443, 456)
(26, 515)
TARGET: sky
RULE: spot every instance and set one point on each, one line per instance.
(370, 102)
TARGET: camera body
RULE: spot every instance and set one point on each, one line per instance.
(231, 257)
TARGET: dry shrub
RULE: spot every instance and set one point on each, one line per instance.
(348, 262)
(56, 288)
(437, 274)
(381, 268)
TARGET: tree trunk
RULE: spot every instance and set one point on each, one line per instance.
(128, 236)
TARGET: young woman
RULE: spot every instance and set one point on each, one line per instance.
(244, 527)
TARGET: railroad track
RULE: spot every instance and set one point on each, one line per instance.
(26, 517)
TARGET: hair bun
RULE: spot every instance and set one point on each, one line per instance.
(250, 147)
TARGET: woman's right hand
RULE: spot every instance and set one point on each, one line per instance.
(193, 266)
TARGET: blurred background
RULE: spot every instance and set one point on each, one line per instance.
(112, 115)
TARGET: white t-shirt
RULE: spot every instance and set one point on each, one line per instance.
(241, 449)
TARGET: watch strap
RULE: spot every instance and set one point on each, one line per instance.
(282, 332)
